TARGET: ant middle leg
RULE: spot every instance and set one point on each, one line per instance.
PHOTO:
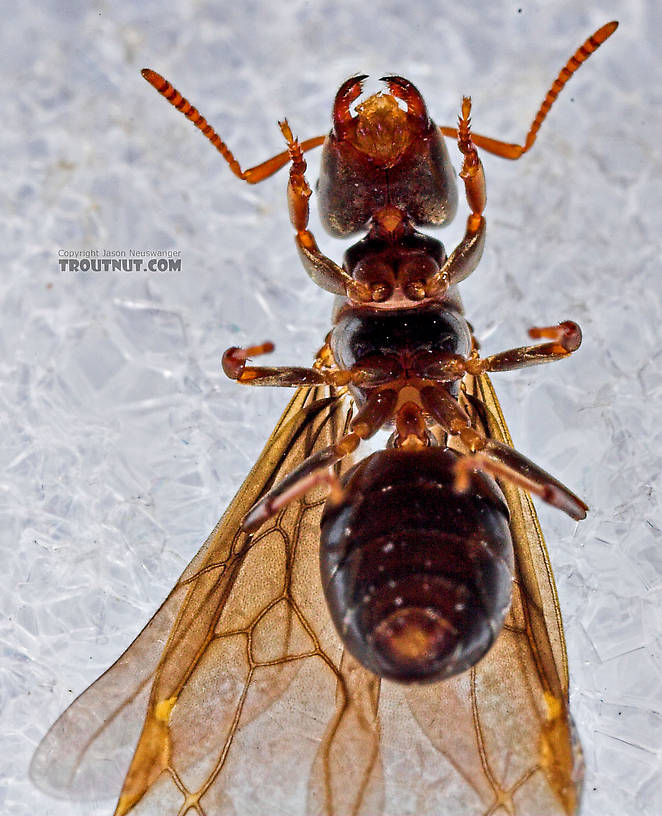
(373, 373)
(316, 469)
(234, 362)
(565, 338)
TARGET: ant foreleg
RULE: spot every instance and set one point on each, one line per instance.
(466, 256)
(323, 271)
(472, 173)
(494, 457)
(316, 468)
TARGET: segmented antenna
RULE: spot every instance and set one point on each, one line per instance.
(182, 104)
(254, 174)
(581, 54)
(507, 150)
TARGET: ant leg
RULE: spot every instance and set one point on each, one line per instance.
(472, 173)
(323, 271)
(466, 256)
(505, 462)
(566, 338)
(254, 174)
(410, 427)
(372, 373)
(315, 470)
(514, 151)
(324, 357)
(234, 365)
(494, 457)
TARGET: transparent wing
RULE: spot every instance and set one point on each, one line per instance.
(242, 701)
(199, 694)
(501, 732)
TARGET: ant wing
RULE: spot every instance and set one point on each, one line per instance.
(254, 700)
(199, 693)
(503, 729)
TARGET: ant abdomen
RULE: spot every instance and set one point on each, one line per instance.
(417, 576)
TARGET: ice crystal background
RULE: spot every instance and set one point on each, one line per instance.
(121, 440)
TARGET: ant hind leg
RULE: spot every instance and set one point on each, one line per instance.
(494, 457)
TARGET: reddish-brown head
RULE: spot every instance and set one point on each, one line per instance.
(381, 129)
(384, 155)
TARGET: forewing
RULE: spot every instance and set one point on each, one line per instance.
(503, 729)
(245, 621)
(254, 707)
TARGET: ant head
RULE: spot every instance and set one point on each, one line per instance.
(381, 128)
(384, 152)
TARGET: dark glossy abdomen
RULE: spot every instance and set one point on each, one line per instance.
(417, 577)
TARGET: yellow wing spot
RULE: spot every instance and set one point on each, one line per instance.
(556, 754)
(162, 710)
(554, 706)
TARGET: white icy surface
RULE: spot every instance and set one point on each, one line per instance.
(122, 441)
